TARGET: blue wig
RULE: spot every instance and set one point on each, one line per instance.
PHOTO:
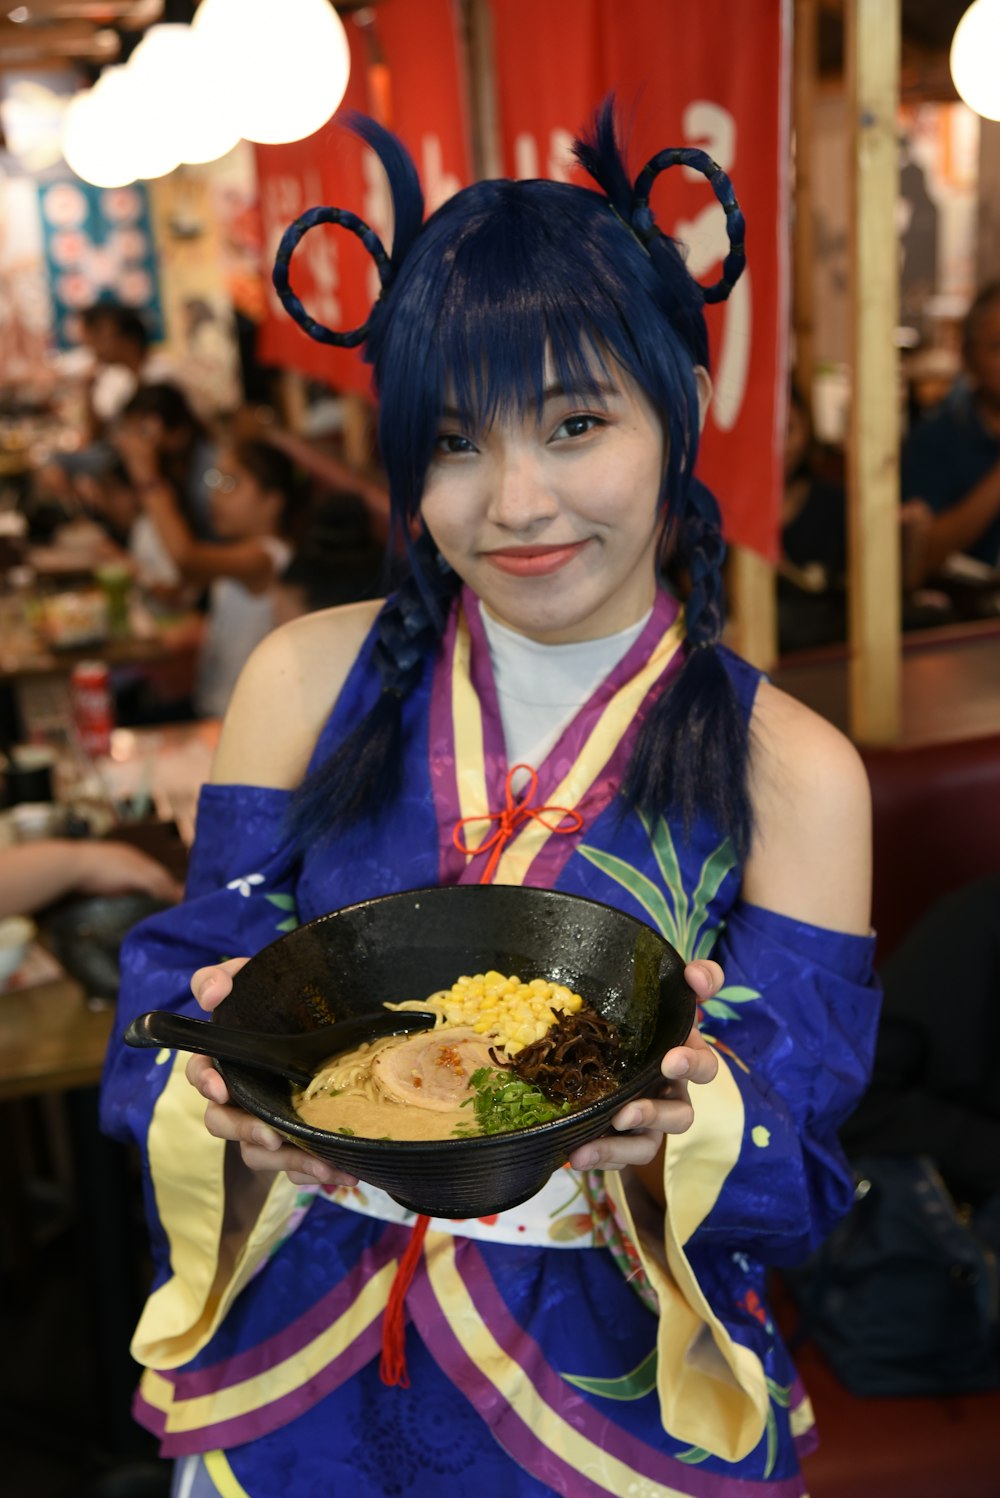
(504, 276)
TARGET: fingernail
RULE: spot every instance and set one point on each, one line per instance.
(585, 1159)
(630, 1119)
(266, 1137)
(681, 1067)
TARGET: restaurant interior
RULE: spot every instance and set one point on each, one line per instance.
(152, 153)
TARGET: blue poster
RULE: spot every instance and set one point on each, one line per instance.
(98, 247)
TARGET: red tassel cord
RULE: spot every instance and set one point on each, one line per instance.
(392, 1368)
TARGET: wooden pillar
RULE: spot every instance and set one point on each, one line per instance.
(752, 583)
(872, 56)
(482, 89)
(805, 66)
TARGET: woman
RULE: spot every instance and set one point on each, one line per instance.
(254, 510)
(540, 355)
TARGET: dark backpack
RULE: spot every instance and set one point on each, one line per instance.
(902, 1297)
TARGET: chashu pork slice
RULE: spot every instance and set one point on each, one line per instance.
(432, 1069)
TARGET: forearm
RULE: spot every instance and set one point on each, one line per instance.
(960, 528)
(160, 505)
(33, 875)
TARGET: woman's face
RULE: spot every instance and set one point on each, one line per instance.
(241, 506)
(553, 523)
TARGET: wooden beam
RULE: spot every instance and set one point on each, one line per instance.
(754, 607)
(872, 56)
(804, 77)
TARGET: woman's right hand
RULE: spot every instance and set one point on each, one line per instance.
(261, 1146)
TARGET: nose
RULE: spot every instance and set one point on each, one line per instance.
(520, 499)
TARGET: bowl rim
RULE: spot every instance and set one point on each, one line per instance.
(296, 1128)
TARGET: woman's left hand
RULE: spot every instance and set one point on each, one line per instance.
(644, 1122)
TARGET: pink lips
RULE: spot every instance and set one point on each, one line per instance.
(534, 561)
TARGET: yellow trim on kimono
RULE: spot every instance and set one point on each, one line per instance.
(223, 1475)
(187, 1166)
(713, 1391)
(507, 1376)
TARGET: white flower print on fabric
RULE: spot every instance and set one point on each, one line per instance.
(244, 885)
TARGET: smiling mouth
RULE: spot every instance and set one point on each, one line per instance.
(533, 561)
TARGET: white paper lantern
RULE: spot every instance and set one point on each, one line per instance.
(97, 141)
(975, 58)
(282, 65)
(186, 115)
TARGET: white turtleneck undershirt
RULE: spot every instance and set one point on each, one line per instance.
(541, 688)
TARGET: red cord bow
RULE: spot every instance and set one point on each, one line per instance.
(513, 815)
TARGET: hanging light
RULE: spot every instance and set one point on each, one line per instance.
(185, 116)
(282, 65)
(97, 142)
(975, 49)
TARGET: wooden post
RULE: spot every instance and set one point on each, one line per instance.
(482, 92)
(755, 608)
(804, 69)
(872, 55)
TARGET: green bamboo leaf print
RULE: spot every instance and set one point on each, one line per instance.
(780, 1393)
(772, 1443)
(639, 887)
(283, 902)
(692, 1455)
(706, 942)
(634, 1385)
(290, 925)
(715, 868)
(666, 858)
(737, 994)
(716, 1010)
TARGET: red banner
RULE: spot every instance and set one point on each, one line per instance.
(405, 72)
(711, 75)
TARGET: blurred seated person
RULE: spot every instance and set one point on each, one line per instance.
(337, 560)
(34, 875)
(929, 1095)
(165, 449)
(118, 340)
(337, 476)
(254, 508)
(811, 570)
(950, 467)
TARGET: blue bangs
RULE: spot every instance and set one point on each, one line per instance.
(505, 276)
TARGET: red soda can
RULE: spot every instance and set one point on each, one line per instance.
(93, 711)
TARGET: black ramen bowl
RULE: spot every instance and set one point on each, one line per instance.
(408, 946)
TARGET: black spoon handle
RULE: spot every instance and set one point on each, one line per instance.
(179, 1032)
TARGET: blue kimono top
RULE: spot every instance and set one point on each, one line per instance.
(588, 1345)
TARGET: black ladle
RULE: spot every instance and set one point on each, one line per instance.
(297, 1057)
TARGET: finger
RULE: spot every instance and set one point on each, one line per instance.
(695, 1061)
(210, 985)
(205, 1079)
(705, 977)
(616, 1151)
(337, 1178)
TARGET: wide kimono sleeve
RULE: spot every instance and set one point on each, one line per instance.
(759, 1178)
(239, 898)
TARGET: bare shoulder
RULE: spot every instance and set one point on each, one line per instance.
(811, 853)
(285, 694)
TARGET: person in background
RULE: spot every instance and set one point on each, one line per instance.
(811, 570)
(540, 353)
(165, 450)
(950, 465)
(34, 875)
(336, 560)
(254, 511)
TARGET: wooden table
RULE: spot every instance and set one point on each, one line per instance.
(51, 1039)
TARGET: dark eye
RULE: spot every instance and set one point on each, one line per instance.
(453, 442)
(577, 425)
